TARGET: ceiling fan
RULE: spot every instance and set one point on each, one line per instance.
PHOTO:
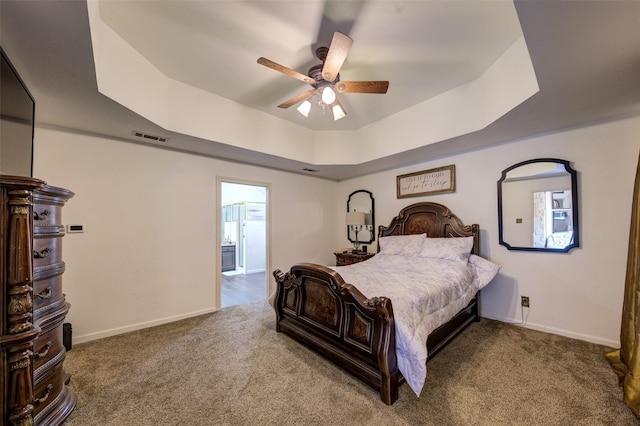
(325, 79)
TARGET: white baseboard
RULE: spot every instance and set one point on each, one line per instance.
(579, 336)
(533, 326)
(133, 327)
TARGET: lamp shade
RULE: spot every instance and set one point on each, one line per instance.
(328, 95)
(304, 108)
(355, 218)
(338, 111)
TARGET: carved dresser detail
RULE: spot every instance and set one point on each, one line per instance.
(33, 382)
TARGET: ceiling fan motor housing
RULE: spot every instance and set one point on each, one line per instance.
(321, 53)
(315, 72)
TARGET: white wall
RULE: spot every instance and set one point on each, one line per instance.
(148, 252)
(577, 294)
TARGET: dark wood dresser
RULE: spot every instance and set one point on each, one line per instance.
(348, 257)
(33, 389)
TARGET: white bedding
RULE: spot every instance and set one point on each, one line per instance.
(425, 293)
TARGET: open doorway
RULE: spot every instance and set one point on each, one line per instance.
(243, 239)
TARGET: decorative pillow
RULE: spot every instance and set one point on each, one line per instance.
(404, 245)
(457, 249)
(485, 270)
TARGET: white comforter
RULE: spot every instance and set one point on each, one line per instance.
(425, 293)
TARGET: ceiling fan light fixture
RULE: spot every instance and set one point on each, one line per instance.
(328, 95)
(325, 79)
(304, 108)
(338, 112)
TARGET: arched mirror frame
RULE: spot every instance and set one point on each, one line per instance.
(370, 220)
(574, 207)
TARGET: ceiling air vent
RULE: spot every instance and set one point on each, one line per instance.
(311, 170)
(149, 137)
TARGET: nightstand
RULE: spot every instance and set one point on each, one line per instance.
(347, 257)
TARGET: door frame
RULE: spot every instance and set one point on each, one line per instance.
(218, 250)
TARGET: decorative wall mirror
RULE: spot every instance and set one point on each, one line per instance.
(538, 206)
(360, 218)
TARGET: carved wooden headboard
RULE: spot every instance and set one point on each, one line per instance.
(436, 220)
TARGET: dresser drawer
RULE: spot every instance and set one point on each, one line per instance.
(47, 292)
(47, 248)
(44, 214)
(47, 389)
(47, 205)
(48, 345)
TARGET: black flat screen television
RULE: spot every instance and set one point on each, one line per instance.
(17, 112)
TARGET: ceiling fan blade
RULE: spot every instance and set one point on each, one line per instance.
(340, 46)
(297, 99)
(362, 86)
(288, 71)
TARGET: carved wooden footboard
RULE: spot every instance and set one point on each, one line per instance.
(314, 305)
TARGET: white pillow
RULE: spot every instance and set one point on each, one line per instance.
(454, 248)
(403, 245)
(485, 270)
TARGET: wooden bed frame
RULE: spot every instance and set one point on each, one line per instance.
(315, 306)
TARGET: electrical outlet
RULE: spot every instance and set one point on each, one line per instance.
(524, 301)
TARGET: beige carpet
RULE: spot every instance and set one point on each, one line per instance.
(232, 368)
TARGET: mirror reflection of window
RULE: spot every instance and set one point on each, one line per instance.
(537, 204)
(553, 225)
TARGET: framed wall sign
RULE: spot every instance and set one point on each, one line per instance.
(428, 182)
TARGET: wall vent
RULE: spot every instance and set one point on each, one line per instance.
(149, 137)
(311, 170)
